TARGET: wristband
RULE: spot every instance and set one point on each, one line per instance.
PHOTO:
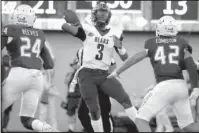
(122, 51)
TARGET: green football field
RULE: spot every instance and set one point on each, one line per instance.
(134, 80)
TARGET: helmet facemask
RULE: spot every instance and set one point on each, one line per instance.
(101, 15)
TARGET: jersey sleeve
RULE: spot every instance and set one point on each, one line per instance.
(9, 31)
(7, 35)
(147, 47)
(47, 56)
(185, 44)
(4, 40)
(82, 31)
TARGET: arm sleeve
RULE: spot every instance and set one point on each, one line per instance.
(191, 68)
(147, 48)
(47, 56)
(81, 34)
(3, 41)
(7, 35)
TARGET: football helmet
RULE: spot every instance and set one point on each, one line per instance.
(166, 26)
(101, 19)
(24, 15)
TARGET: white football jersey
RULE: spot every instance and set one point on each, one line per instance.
(98, 49)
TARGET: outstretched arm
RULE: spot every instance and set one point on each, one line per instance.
(131, 61)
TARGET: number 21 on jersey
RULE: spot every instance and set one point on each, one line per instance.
(160, 55)
(26, 50)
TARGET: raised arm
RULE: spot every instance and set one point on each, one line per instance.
(75, 30)
(73, 26)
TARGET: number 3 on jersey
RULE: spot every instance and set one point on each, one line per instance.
(27, 46)
(160, 55)
(100, 48)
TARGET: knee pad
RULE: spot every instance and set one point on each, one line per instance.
(27, 122)
(126, 102)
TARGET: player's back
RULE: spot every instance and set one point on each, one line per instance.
(167, 57)
(25, 46)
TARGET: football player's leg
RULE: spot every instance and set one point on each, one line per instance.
(88, 90)
(114, 88)
(52, 112)
(83, 115)
(185, 117)
(90, 96)
(105, 105)
(6, 117)
(164, 121)
(159, 98)
(11, 88)
(71, 111)
(43, 108)
(11, 91)
(29, 102)
(159, 127)
(43, 111)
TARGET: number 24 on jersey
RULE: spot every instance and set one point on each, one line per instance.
(26, 47)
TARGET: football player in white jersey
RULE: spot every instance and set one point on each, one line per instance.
(99, 42)
(104, 102)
